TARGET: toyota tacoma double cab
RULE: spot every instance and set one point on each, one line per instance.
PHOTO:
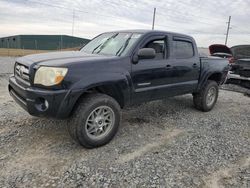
(89, 87)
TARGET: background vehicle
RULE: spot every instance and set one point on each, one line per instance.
(114, 70)
(220, 50)
(241, 54)
(238, 56)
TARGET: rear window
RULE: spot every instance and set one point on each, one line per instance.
(183, 49)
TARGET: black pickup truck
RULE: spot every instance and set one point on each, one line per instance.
(114, 70)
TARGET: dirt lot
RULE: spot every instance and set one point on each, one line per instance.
(164, 143)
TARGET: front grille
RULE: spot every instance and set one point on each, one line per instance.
(22, 73)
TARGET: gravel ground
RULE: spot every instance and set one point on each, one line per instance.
(237, 88)
(6, 64)
(163, 143)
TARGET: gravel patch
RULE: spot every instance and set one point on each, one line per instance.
(236, 88)
(7, 64)
(166, 143)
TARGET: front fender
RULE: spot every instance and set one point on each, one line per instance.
(121, 81)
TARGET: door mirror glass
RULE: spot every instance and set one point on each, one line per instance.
(146, 53)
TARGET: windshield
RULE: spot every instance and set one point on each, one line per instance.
(115, 44)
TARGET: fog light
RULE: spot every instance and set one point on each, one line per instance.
(41, 104)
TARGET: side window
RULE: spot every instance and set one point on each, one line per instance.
(159, 47)
(183, 49)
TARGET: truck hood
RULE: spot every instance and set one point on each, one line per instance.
(60, 58)
(219, 48)
(241, 52)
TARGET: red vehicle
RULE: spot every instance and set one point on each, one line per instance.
(220, 50)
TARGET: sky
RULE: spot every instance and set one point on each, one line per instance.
(205, 20)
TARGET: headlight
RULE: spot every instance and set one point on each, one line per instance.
(49, 76)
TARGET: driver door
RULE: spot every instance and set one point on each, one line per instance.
(150, 76)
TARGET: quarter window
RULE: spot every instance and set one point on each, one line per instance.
(183, 49)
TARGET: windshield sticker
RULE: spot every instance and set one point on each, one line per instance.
(136, 36)
(127, 36)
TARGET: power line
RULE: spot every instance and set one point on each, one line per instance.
(66, 8)
(173, 18)
(80, 11)
(198, 16)
(165, 8)
(86, 12)
(119, 18)
(185, 20)
(244, 30)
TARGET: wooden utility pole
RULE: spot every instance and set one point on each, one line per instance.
(73, 22)
(228, 28)
(61, 42)
(153, 24)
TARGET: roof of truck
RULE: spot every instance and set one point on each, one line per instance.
(145, 31)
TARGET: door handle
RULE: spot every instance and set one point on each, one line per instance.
(195, 65)
(168, 66)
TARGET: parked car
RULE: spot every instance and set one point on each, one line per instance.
(114, 70)
(238, 56)
(241, 54)
(220, 50)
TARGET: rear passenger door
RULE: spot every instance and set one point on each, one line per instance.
(185, 64)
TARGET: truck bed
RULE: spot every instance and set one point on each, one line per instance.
(213, 63)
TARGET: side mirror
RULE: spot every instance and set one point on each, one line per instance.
(146, 53)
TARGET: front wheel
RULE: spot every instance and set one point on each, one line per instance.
(95, 121)
(207, 97)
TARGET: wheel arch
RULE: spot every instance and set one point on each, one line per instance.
(114, 90)
(215, 76)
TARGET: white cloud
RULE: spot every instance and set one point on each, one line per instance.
(205, 20)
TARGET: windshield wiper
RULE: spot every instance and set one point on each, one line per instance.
(102, 45)
(96, 48)
(123, 47)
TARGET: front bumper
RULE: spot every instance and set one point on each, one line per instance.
(41, 102)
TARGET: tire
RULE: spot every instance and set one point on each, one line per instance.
(96, 114)
(202, 101)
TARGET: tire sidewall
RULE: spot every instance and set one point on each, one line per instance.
(204, 101)
(85, 112)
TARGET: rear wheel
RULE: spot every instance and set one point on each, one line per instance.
(207, 97)
(95, 121)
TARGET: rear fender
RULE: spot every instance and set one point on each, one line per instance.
(216, 76)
